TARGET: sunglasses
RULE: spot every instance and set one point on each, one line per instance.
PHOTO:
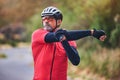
(48, 18)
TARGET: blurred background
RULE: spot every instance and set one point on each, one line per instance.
(99, 60)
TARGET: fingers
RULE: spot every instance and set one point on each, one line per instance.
(102, 38)
(62, 38)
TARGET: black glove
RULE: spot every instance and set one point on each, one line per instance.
(98, 33)
(60, 33)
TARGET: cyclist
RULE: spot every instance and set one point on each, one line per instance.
(52, 47)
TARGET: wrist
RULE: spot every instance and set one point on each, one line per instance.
(63, 38)
(92, 31)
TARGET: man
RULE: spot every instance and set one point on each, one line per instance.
(52, 47)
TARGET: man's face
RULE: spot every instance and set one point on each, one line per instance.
(49, 23)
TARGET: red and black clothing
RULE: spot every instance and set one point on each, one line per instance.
(50, 55)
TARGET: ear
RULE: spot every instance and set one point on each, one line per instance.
(59, 22)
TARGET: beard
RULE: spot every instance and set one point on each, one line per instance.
(47, 27)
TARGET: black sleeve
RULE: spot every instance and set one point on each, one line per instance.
(50, 37)
(70, 35)
(77, 34)
(71, 52)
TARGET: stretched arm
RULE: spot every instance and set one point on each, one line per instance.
(70, 35)
(74, 35)
(77, 34)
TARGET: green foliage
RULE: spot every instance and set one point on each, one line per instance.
(32, 24)
(103, 61)
(69, 19)
(115, 36)
(2, 55)
(93, 14)
(104, 14)
(2, 22)
(79, 14)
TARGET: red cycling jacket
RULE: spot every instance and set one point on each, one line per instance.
(50, 59)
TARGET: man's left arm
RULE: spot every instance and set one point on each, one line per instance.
(78, 34)
(71, 52)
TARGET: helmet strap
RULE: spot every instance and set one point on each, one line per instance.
(56, 26)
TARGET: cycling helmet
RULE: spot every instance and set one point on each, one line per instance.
(52, 11)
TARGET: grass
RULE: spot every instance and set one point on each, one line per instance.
(100, 64)
(2, 55)
(106, 62)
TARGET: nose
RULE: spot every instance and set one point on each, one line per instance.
(45, 20)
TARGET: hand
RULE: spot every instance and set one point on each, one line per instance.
(60, 35)
(102, 38)
(99, 34)
(62, 38)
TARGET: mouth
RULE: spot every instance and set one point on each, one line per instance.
(46, 24)
(47, 27)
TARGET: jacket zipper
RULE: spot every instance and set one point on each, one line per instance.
(52, 62)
